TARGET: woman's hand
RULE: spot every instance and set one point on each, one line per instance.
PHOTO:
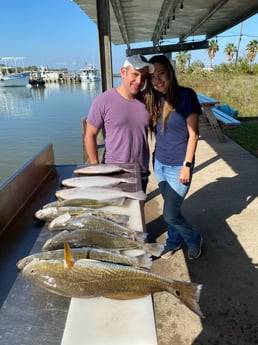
(184, 176)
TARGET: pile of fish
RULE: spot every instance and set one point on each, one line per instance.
(93, 251)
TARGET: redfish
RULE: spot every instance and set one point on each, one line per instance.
(99, 239)
(86, 279)
(91, 222)
(49, 213)
(136, 259)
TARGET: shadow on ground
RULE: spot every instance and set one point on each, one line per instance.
(230, 279)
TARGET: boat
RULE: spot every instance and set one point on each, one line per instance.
(11, 79)
(14, 79)
(89, 73)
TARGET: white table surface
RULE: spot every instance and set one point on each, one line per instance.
(103, 321)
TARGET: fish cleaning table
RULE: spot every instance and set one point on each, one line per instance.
(30, 315)
(103, 321)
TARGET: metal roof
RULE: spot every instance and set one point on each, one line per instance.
(135, 21)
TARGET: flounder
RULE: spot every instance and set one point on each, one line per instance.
(97, 193)
(99, 169)
(96, 181)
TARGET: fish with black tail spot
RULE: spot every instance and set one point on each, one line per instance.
(99, 239)
(87, 279)
(137, 258)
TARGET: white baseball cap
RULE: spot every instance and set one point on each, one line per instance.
(139, 62)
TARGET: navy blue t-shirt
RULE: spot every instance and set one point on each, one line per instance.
(172, 142)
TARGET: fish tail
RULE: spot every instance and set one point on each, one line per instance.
(140, 236)
(154, 248)
(144, 261)
(132, 171)
(139, 195)
(189, 294)
(130, 180)
(116, 202)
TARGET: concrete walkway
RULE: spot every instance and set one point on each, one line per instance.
(222, 203)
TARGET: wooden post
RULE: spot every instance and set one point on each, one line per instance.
(103, 19)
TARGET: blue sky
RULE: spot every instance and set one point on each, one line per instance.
(57, 33)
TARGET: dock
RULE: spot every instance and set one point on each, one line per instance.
(222, 203)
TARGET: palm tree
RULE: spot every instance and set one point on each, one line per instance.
(212, 50)
(183, 58)
(252, 49)
(230, 49)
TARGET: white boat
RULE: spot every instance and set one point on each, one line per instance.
(14, 79)
(48, 75)
(8, 79)
(89, 73)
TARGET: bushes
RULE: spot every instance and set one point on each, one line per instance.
(238, 91)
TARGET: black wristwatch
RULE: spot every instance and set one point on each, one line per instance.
(187, 164)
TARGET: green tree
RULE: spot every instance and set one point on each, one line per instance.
(183, 58)
(212, 50)
(230, 50)
(252, 48)
(196, 64)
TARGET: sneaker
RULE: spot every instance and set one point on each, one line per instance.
(168, 252)
(195, 251)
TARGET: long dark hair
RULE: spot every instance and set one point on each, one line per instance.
(153, 98)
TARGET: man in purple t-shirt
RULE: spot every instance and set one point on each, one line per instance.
(121, 115)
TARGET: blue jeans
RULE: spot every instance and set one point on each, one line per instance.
(173, 193)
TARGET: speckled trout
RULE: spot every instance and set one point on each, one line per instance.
(136, 259)
(85, 278)
(99, 239)
(87, 202)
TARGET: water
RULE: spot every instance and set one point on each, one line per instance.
(33, 118)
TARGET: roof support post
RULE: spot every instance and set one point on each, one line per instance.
(103, 20)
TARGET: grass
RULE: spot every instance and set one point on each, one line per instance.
(245, 135)
(239, 92)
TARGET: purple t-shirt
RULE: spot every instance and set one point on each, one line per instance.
(125, 128)
(172, 142)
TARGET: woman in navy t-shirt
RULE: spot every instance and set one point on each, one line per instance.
(175, 114)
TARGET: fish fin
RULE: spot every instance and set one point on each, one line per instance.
(68, 258)
(189, 294)
(140, 236)
(154, 248)
(125, 295)
(144, 261)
